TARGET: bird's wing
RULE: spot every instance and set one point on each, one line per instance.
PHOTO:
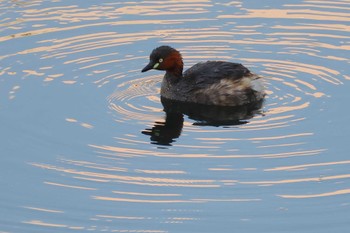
(213, 71)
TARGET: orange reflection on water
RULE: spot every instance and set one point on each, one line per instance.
(282, 145)
(69, 82)
(325, 73)
(52, 77)
(130, 152)
(113, 23)
(199, 200)
(140, 231)
(291, 14)
(56, 225)
(83, 124)
(166, 8)
(228, 200)
(43, 210)
(327, 194)
(304, 166)
(92, 179)
(269, 126)
(309, 85)
(160, 171)
(220, 169)
(135, 112)
(87, 164)
(264, 121)
(32, 72)
(86, 125)
(306, 34)
(311, 179)
(121, 217)
(140, 180)
(143, 200)
(282, 109)
(127, 152)
(69, 186)
(281, 136)
(45, 224)
(148, 194)
(319, 26)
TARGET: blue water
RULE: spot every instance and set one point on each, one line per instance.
(77, 149)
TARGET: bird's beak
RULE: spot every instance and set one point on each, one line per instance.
(148, 67)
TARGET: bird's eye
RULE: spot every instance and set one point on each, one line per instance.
(160, 60)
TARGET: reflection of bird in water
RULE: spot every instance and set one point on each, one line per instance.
(164, 133)
(211, 83)
(213, 115)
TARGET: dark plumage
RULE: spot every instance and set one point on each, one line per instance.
(210, 83)
(212, 71)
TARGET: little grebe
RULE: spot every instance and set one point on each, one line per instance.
(210, 83)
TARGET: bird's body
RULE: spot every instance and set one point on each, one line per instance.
(211, 83)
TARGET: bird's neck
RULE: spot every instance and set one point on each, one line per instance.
(175, 66)
(175, 72)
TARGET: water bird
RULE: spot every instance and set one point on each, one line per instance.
(217, 83)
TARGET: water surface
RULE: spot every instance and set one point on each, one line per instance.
(86, 145)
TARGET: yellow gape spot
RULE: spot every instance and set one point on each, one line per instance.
(155, 66)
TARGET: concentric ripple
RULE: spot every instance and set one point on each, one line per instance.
(291, 87)
(139, 97)
(87, 127)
